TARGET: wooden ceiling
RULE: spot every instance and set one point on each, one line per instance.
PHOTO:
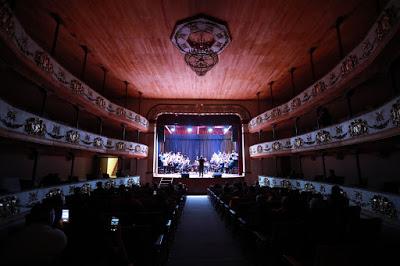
(132, 40)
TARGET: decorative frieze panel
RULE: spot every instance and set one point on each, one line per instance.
(357, 60)
(36, 129)
(21, 202)
(381, 123)
(384, 205)
(13, 34)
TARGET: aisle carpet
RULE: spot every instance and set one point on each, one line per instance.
(202, 239)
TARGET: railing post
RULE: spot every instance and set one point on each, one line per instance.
(311, 52)
(323, 164)
(58, 21)
(71, 174)
(274, 132)
(271, 94)
(103, 84)
(76, 122)
(296, 126)
(126, 94)
(339, 22)
(358, 168)
(35, 154)
(139, 112)
(291, 71)
(123, 131)
(85, 54)
(99, 125)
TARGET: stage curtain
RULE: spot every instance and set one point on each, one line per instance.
(198, 145)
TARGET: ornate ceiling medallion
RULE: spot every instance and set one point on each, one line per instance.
(201, 39)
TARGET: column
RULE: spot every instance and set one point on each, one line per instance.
(85, 54)
(58, 21)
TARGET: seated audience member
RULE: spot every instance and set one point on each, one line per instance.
(337, 199)
(99, 190)
(38, 243)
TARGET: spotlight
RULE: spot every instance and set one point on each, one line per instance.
(210, 130)
(189, 129)
(225, 129)
(173, 129)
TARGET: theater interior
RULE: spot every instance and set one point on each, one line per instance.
(200, 132)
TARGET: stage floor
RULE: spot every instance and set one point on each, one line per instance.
(196, 175)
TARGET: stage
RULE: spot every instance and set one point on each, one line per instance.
(196, 175)
(198, 185)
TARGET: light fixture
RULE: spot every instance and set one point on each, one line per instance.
(210, 130)
(173, 129)
(201, 39)
(189, 129)
(226, 129)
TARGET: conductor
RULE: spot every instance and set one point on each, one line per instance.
(201, 166)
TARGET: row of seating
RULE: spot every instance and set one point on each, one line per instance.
(107, 226)
(279, 231)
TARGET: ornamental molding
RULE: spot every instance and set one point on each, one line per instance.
(333, 82)
(380, 204)
(63, 82)
(18, 124)
(192, 109)
(381, 123)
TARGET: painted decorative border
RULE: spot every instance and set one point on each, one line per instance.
(18, 124)
(13, 34)
(21, 202)
(383, 205)
(381, 123)
(358, 59)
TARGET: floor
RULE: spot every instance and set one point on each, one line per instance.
(202, 238)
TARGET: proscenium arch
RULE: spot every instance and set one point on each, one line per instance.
(199, 109)
(194, 109)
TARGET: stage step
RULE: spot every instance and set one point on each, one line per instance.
(165, 181)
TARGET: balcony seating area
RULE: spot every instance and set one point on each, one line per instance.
(147, 217)
(282, 226)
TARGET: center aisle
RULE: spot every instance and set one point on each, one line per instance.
(202, 238)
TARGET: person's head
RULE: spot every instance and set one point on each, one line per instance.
(336, 190)
(41, 214)
(99, 185)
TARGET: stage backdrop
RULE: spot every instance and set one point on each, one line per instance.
(199, 145)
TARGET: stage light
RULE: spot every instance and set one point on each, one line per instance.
(189, 129)
(210, 130)
(226, 129)
(173, 129)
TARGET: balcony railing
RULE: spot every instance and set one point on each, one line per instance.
(24, 126)
(372, 203)
(63, 82)
(334, 82)
(380, 123)
(12, 205)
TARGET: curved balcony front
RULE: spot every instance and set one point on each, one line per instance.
(373, 203)
(383, 122)
(334, 83)
(20, 125)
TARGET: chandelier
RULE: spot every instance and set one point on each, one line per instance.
(201, 40)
